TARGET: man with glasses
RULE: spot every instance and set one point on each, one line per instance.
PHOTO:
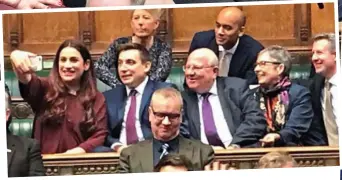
(127, 104)
(165, 116)
(220, 111)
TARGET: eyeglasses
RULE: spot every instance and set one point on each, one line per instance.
(162, 115)
(196, 68)
(263, 63)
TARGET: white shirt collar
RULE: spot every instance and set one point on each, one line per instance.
(213, 90)
(333, 80)
(140, 88)
(231, 50)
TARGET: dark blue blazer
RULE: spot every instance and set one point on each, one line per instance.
(244, 58)
(116, 101)
(298, 116)
(241, 111)
(317, 135)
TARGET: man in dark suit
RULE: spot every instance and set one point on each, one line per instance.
(23, 154)
(237, 52)
(127, 104)
(165, 116)
(323, 87)
(220, 111)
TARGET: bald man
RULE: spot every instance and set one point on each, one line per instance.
(219, 111)
(237, 52)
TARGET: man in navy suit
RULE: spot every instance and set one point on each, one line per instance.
(237, 52)
(127, 104)
(324, 128)
(220, 111)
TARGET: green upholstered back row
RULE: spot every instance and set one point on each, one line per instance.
(24, 126)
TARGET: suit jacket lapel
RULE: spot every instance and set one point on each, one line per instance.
(227, 112)
(122, 100)
(214, 47)
(185, 148)
(194, 113)
(146, 96)
(238, 59)
(146, 160)
(11, 149)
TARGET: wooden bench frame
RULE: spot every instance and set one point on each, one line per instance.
(107, 163)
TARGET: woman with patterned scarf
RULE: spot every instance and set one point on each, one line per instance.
(287, 106)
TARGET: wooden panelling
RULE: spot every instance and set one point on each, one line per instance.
(110, 25)
(287, 25)
(187, 21)
(45, 32)
(108, 163)
(323, 19)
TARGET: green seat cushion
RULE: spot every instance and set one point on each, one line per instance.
(21, 127)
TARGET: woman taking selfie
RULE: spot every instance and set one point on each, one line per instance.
(70, 113)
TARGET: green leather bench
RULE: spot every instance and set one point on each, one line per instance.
(23, 127)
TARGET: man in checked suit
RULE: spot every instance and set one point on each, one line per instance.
(237, 52)
(127, 104)
(23, 154)
(220, 111)
(165, 116)
(324, 91)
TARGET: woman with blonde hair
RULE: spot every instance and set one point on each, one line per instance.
(144, 24)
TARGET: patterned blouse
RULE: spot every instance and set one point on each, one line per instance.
(160, 54)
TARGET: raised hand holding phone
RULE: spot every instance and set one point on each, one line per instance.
(22, 65)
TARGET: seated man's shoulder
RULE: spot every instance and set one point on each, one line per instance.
(233, 82)
(197, 143)
(112, 91)
(249, 40)
(22, 141)
(136, 147)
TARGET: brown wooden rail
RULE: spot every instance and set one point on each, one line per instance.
(106, 163)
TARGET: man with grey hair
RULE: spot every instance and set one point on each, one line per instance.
(219, 111)
(165, 116)
(23, 154)
(286, 105)
(324, 91)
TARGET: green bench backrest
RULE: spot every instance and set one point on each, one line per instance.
(23, 127)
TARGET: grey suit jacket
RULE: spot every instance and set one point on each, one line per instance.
(241, 111)
(23, 157)
(139, 157)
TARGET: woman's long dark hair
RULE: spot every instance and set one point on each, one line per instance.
(56, 95)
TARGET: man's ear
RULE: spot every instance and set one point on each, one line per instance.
(241, 31)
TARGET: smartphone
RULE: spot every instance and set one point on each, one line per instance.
(37, 63)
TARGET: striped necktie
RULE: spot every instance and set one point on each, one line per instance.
(165, 148)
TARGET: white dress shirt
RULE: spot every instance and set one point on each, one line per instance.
(220, 122)
(334, 97)
(230, 52)
(140, 91)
